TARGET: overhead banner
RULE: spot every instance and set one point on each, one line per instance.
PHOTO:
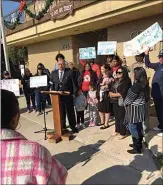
(106, 47)
(87, 53)
(38, 81)
(11, 85)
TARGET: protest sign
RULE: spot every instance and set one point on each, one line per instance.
(87, 53)
(148, 38)
(129, 49)
(11, 85)
(106, 47)
(38, 81)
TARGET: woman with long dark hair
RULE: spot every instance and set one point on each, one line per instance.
(117, 94)
(28, 92)
(134, 103)
(88, 76)
(103, 86)
(41, 98)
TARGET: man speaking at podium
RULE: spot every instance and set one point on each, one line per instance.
(62, 80)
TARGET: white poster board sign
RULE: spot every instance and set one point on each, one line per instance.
(87, 53)
(106, 47)
(148, 38)
(38, 81)
(129, 49)
(11, 85)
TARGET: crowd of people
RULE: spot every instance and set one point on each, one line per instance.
(102, 91)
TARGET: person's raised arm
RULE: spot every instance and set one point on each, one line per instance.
(147, 61)
(80, 61)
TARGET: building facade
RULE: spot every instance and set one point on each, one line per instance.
(82, 23)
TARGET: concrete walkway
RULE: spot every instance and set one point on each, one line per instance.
(94, 156)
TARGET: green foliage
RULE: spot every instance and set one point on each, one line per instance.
(18, 55)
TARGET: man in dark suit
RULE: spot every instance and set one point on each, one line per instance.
(62, 80)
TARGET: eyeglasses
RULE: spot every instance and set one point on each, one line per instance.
(118, 72)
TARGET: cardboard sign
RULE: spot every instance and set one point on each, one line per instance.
(38, 81)
(106, 47)
(11, 85)
(87, 53)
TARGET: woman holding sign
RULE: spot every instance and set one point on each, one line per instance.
(41, 98)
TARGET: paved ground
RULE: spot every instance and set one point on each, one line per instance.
(94, 156)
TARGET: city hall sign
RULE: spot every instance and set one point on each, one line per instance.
(61, 11)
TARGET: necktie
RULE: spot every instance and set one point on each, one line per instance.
(61, 76)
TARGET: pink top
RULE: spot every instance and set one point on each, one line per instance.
(26, 162)
(91, 98)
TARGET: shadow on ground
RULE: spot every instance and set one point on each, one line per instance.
(83, 154)
(23, 110)
(121, 175)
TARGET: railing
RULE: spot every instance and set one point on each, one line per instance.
(11, 18)
(34, 6)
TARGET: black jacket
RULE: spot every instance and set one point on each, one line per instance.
(67, 83)
(25, 81)
(76, 76)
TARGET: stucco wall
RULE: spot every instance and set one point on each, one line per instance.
(45, 52)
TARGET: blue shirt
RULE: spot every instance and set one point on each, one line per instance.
(157, 82)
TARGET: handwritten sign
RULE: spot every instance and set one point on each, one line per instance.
(106, 47)
(61, 11)
(148, 38)
(11, 85)
(38, 81)
(87, 53)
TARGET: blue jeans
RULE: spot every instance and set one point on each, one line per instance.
(40, 100)
(136, 130)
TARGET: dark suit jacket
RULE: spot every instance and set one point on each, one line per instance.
(67, 82)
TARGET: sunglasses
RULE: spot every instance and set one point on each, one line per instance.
(39, 68)
(119, 72)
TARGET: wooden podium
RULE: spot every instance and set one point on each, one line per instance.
(59, 134)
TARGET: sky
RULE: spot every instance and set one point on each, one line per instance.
(9, 6)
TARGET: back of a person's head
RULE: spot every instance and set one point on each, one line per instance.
(140, 76)
(9, 108)
(60, 56)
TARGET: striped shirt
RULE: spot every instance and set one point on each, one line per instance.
(135, 104)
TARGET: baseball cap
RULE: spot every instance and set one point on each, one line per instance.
(160, 53)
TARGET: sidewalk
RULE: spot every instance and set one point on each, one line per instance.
(94, 156)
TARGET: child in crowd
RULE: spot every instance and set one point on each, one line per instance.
(92, 102)
(80, 103)
(104, 85)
